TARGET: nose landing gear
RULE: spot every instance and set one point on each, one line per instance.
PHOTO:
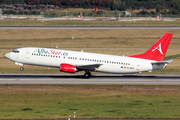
(87, 75)
(21, 64)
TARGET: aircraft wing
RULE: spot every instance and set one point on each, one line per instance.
(91, 67)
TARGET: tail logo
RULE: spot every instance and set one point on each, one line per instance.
(158, 48)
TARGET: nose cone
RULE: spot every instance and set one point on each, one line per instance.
(7, 55)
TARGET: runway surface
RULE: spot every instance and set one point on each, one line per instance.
(95, 79)
(90, 27)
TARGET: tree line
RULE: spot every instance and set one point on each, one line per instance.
(166, 6)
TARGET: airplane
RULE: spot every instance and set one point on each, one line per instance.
(75, 61)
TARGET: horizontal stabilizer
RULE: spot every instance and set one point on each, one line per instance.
(163, 62)
(159, 65)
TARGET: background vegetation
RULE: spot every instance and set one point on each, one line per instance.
(165, 6)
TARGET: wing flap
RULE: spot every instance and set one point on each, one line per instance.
(91, 67)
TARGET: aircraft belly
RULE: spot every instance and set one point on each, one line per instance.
(115, 69)
(144, 67)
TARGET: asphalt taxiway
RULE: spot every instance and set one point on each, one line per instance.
(111, 79)
(92, 27)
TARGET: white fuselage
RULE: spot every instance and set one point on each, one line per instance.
(55, 57)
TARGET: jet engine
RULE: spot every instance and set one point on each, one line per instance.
(68, 68)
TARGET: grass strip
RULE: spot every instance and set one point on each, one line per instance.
(115, 42)
(88, 101)
(172, 57)
(86, 23)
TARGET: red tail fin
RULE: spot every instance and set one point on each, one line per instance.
(158, 51)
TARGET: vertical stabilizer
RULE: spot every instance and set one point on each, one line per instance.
(158, 51)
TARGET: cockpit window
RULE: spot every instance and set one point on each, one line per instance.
(15, 51)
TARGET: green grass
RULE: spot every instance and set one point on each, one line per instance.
(86, 23)
(106, 102)
(172, 56)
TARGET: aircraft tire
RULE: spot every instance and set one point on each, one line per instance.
(21, 68)
(87, 75)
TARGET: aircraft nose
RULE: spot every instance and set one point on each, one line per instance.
(7, 55)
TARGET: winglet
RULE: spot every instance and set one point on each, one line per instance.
(158, 51)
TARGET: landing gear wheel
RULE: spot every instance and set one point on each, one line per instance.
(87, 75)
(21, 68)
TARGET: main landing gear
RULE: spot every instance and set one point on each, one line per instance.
(21, 68)
(87, 75)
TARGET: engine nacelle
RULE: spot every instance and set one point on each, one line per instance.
(68, 68)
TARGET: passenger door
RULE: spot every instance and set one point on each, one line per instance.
(138, 65)
(27, 54)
